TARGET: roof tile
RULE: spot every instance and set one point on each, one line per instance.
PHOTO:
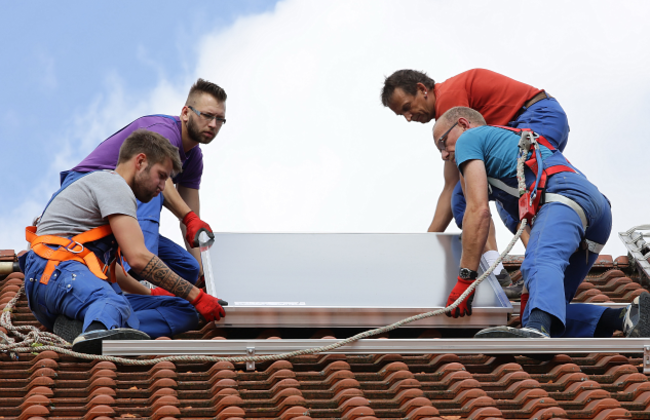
(356, 387)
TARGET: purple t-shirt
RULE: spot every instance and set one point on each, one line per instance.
(106, 154)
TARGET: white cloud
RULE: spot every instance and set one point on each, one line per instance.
(308, 146)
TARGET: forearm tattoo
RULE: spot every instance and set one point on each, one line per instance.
(160, 275)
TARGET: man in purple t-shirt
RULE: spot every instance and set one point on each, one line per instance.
(200, 120)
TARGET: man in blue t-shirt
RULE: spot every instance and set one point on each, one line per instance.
(568, 232)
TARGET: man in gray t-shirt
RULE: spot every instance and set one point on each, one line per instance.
(77, 237)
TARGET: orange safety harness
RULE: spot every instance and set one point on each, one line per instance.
(71, 249)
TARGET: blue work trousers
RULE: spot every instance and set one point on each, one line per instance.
(78, 294)
(555, 265)
(546, 118)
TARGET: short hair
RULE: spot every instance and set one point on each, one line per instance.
(156, 147)
(470, 114)
(406, 80)
(203, 86)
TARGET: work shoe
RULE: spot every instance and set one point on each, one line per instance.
(513, 292)
(510, 332)
(636, 322)
(66, 328)
(91, 342)
(504, 278)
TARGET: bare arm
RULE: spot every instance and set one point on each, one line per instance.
(181, 201)
(443, 215)
(174, 201)
(191, 197)
(129, 236)
(130, 285)
(159, 274)
(476, 223)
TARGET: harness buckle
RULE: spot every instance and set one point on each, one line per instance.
(74, 245)
(527, 139)
(526, 208)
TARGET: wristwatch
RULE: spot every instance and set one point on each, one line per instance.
(467, 274)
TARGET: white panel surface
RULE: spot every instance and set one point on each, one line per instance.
(341, 279)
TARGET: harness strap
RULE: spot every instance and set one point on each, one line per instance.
(556, 169)
(594, 247)
(497, 183)
(557, 198)
(70, 249)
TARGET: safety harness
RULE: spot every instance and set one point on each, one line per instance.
(71, 249)
(536, 195)
(84, 247)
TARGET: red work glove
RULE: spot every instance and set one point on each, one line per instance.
(159, 291)
(465, 307)
(194, 227)
(208, 306)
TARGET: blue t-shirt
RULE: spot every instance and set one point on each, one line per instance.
(496, 147)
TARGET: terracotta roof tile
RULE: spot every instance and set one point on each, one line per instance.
(622, 262)
(7, 255)
(337, 386)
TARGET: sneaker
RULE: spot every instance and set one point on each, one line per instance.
(66, 328)
(91, 342)
(636, 322)
(513, 292)
(510, 332)
(504, 278)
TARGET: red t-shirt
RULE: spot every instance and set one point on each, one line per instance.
(495, 96)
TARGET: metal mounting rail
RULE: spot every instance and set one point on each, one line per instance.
(613, 305)
(383, 346)
(638, 249)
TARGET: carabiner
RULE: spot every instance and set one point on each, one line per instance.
(74, 245)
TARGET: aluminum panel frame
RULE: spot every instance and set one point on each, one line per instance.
(377, 346)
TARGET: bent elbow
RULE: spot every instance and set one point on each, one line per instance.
(139, 260)
(480, 213)
(484, 213)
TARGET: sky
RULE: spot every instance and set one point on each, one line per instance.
(308, 147)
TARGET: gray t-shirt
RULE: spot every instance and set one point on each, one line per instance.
(86, 203)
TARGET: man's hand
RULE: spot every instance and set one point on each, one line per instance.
(159, 291)
(208, 306)
(465, 307)
(194, 227)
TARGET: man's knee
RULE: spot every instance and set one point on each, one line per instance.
(178, 259)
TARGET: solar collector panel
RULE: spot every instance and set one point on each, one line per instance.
(342, 279)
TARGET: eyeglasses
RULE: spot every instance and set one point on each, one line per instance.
(208, 117)
(441, 144)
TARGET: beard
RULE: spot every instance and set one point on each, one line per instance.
(140, 189)
(195, 134)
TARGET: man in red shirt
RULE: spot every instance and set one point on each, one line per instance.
(501, 100)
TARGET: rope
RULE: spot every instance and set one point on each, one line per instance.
(38, 341)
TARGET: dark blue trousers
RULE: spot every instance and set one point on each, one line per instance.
(554, 266)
